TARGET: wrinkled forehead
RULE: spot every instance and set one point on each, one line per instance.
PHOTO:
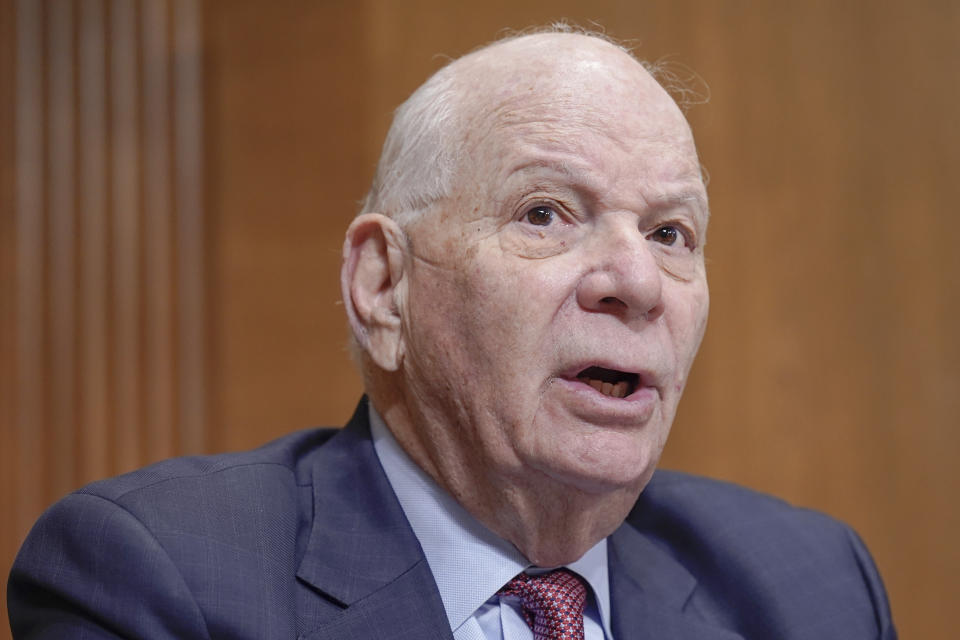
(561, 70)
(567, 87)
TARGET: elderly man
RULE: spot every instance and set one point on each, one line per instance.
(527, 292)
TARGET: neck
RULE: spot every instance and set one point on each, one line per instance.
(551, 523)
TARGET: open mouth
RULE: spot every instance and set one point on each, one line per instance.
(610, 382)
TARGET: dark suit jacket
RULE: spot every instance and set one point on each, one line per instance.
(304, 538)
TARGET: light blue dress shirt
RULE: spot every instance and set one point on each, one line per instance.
(470, 563)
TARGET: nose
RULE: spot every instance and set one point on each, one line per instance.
(623, 278)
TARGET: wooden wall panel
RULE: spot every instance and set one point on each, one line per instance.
(103, 323)
(93, 261)
(9, 480)
(286, 105)
(192, 323)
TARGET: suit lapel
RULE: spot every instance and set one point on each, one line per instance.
(650, 592)
(366, 573)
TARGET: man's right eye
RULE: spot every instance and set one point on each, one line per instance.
(540, 216)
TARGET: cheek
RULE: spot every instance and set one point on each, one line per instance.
(488, 319)
(688, 322)
(533, 243)
(537, 315)
(459, 325)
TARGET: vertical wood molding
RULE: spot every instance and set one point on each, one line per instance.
(94, 336)
(158, 371)
(30, 396)
(125, 211)
(104, 317)
(9, 458)
(191, 236)
(62, 252)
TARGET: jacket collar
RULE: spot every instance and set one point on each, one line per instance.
(361, 553)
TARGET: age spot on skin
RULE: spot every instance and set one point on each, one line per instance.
(529, 248)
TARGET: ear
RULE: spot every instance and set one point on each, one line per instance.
(371, 273)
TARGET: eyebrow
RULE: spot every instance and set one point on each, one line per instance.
(583, 181)
(580, 179)
(682, 198)
(560, 166)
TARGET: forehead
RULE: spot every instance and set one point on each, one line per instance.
(554, 76)
(576, 104)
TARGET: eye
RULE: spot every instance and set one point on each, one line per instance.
(667, 235)
(540, 216)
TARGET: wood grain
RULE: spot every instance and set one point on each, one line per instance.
(103, 327)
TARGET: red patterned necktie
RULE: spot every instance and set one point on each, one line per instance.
(552, 603)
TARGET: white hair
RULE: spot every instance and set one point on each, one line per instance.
(420, 153)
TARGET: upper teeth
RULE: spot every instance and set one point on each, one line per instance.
(615, 389)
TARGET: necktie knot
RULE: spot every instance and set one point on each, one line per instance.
(552, 603)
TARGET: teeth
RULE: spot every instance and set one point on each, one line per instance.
(616, 390)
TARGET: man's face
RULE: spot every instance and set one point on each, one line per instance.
(554, 305)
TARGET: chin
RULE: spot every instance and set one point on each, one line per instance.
(602, 460)
(614, 474)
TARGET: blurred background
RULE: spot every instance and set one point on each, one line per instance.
(177, 176)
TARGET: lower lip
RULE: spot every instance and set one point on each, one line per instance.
(603, 409)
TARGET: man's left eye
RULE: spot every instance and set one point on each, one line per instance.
(540, 216)
(667, 235)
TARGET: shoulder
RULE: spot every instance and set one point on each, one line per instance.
(700, 520)
(760, 562)
(686, 496)
(227, 502)
(169, 541)
(680, 506)
(282, 458)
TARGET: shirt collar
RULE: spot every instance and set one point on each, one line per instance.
(468, 561)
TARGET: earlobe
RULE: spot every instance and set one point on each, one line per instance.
(370, 277)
